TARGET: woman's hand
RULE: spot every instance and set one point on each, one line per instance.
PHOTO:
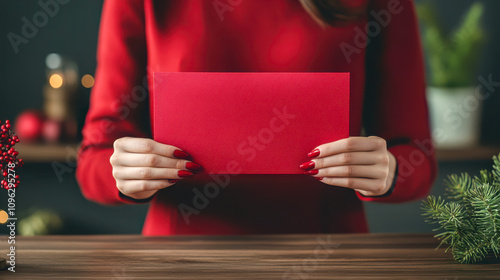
(359, 163)
(143, 166)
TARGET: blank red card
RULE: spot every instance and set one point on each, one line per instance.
(250, 123)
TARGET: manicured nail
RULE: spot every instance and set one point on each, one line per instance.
(173, 181)
(313, 153)
(181, 154)
(193, 166)
(307, 165)
(185, 174)
(318, 178)
(311, 172)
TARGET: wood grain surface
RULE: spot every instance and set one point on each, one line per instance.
(354, 256)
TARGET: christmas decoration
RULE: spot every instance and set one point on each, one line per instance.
(29, 125)
(52, 131)
(469, 221)
(8, 157)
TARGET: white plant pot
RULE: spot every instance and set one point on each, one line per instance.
(455, 115)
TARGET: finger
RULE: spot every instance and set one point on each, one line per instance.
(353, 158)
(375, 186)
(146, 160)
(149, 173)
(352, 171)
(351, 144)
(135, 186)
(148, 146)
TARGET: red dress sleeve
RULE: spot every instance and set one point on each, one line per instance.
(395, 102)
(118, 102)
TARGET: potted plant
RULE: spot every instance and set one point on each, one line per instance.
(454, 106)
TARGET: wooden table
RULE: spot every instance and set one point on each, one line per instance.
(356, 256)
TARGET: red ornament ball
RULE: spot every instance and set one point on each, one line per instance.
(29, 125)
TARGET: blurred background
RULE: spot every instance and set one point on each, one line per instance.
(47, 79)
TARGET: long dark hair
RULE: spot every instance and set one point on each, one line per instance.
(335, 12)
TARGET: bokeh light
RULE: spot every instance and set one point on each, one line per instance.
(56, 80)
(87, 81)
(3, 217)
(53, 61)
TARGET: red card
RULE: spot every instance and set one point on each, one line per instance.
(250, 123)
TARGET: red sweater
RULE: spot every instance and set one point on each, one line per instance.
(140, 37)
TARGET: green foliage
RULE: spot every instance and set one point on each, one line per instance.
(469, 221)
(453, 57)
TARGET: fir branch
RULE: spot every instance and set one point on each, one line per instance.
(485, 177)
(470, 252)
(433, 207)
(496, 169)
(485, 200)
(469, 223)
(457, 187)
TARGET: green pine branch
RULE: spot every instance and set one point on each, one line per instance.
(469, 219)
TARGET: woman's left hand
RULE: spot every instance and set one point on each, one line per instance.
(360, 163)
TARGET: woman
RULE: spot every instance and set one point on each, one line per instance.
(376, 41)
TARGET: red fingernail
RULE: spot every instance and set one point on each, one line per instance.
(181, 154)
(307, 165)
(173, 181)
(313, 153)
(318, 178)
(193, 166)
(185, 174)
(311, 172)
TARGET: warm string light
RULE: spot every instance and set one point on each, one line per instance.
(88, 81)
(56, 80)
(4, 217)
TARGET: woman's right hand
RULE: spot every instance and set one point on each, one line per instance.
(143, 166)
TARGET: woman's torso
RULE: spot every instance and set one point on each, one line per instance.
(253, 36)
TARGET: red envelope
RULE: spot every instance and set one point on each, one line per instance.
(250, 123)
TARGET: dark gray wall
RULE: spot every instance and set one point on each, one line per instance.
(73, 32)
